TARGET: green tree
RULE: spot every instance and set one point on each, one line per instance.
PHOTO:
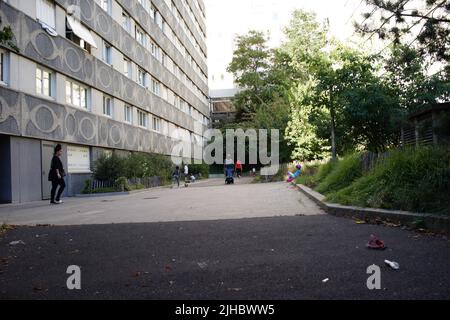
(250, 66)
(396, 19)
(407, 73)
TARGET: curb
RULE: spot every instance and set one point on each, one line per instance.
(432, 222)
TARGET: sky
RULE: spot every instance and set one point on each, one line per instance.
(227, 18)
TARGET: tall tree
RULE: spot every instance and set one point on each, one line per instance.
(394, 19)
(407, 74)
(250, 65)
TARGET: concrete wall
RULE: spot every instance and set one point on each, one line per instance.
(75, 182)
(5, 165)
(25, 169)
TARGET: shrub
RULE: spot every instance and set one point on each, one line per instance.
(109, 168)
(199, 169)
(87, 186)
(121, 184)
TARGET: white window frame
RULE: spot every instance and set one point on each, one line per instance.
(4, 67)
(41, 71)
(107, 53)
(108, 106)
(142, 119)
(46, 12)
(126, 21)
(156, 124)
(72, 84)
(139, 31)
(106, 5)
(128, 114)
(141, 77)
(127, 69)
(156, 87)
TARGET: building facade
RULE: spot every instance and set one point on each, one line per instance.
(97, 76)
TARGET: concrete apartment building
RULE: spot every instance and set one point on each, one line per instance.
(97, 76)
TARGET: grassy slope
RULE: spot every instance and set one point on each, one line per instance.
(412, 180)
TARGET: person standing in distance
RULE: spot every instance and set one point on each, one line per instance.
(56, 176)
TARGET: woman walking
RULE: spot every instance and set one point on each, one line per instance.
(56, 176)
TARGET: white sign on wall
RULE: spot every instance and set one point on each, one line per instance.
(78, 159)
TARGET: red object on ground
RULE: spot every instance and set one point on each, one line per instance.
(375, 243)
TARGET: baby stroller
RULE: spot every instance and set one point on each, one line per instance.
(229, 175)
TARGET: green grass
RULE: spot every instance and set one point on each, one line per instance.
(339, 174)
(415, 180)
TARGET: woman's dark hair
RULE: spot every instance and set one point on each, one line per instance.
(177, 167)
(58, 147)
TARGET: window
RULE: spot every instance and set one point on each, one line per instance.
(106, 5)
(155, 87)
(44, 82)
(4, 67)
(152, 12)
(158, 54)
(164, 92)
(140, 36)
(107, 106)
(142, 118)
(45, 12)
(127, 67)
(76, 94)
(158, 20)
(126, 22)
(156, 124)
(141, 77)
(79, 34)
(128, 114)
(107, 56)
(153, 47)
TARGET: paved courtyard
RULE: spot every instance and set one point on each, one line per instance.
(211, 241)
(203, 200)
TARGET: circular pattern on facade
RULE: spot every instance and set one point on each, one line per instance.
(103, 23)
(127, 42)
(72, 59)
(141, 93)
(87, 130)
(44, 118)
(103, 132)
(139, 55)
(88, 68)
(115, 134)
(145, 141)
(117, 83)
(129, 90)
(116, 32)
(71, 124)
(87, 11)
(44, 45)
(131, 137)
(104, 77)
